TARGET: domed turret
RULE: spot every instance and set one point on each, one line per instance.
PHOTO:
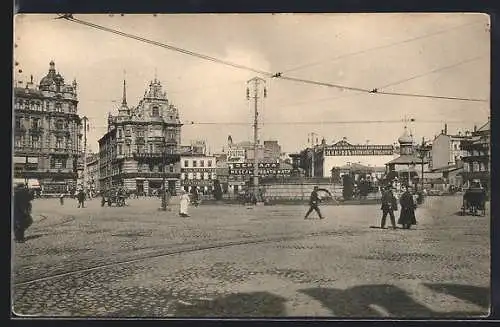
(406, 138)
(405, 143)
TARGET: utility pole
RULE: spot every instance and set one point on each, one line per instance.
(256, 83)
(164, 165)
(85, 127)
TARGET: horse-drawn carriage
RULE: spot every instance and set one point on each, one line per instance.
(114, 196)
(474, 199)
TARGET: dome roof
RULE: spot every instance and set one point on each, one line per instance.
(52, 77)
(406, 137)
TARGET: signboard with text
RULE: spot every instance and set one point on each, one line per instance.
(359, 150)
(265, 169)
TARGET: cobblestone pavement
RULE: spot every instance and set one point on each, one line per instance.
(260, 262)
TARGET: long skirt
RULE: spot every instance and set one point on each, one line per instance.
(184, 204)
(407, 217)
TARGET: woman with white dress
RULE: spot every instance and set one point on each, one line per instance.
(184, 204)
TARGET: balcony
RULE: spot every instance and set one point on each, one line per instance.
(19, 130)
(148, 155)
(171, 142)
(150, 175)
(36, 130)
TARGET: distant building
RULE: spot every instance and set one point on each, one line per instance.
(93, 173)
(142, 144)
(408, 166)
(476, 159)
(47, 133)
(198, 171)
(446, 149)
(319, 160)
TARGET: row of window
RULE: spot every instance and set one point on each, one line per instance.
(37, 123)
(141, 133)
(198, 176)
(476, 166)
(35, 142)
(43, 106)
(194, 163)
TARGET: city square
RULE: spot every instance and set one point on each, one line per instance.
(236, 261)
(181, 165)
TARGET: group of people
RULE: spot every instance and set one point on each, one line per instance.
(389, 206)
(80, 196)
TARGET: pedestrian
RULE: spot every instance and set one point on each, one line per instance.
(184, 204)
(195, 196)
(22, 212)
(313, 203)
(61, 199)
(408, 206)
(389, 205)
(81, 199)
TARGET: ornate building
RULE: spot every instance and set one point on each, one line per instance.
(477, 154)
(47, 133)
(142, 144)
(405, 167)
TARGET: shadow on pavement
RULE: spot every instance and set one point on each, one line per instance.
(474, 294)
(33, 237)
(255, 304)
(372, 301)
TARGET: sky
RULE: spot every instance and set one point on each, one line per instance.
(358, 50)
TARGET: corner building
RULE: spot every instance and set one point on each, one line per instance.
(142, 145)
(47, 133)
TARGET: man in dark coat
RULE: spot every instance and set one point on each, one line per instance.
(313, 203)
(22, 211)
(408, 206)
(81, 199)
(389, 205)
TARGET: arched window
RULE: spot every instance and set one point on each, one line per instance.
(59, 124)
(155, 112)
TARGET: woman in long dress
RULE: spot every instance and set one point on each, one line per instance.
(408, 206)
(184, 204)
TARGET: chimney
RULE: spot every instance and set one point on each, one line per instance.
(475, 128)
(445, 129)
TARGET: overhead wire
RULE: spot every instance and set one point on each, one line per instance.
(420, 37)
(164, 45)
(279, 75)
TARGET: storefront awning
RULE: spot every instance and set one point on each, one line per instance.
(32, 182)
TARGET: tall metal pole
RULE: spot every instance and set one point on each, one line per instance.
(164, 193)
(84, 177)
(256, 85)
(422, 155)
(255, 138)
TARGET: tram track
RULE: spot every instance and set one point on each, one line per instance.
(192, 248)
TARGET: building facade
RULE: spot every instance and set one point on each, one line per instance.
(47, 133)
(198, 171)
(141, 147)
(408, 166)
(320, 160)
(446, 149)
(476, 159)
(92, 172)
